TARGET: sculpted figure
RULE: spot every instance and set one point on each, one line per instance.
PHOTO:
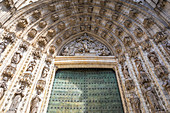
(3, 46)
(138, 64)
(35, 103)
(3, 87)
(143, 77)
(160, 70)
(16, 100)
(152, 98)
(126, 72)
(9, 71)
(45, 72)
(31, 66)
(16, 58)
(166, 84)
(135, 102)
(153, 58)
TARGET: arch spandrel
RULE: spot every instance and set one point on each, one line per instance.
(135, 32)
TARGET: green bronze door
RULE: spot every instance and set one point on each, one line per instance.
(85, 91)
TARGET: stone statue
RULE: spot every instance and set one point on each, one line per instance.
(152, 98)
(160, 70)
(16, 100)
(3, 46)
(144, 77)
(31, 66)
(35, 104)
(135, 103)
(16, 58)
(3, 87)
(45, 72)
(126, 72)
(153, 58)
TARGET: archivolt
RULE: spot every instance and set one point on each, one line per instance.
(124, 25)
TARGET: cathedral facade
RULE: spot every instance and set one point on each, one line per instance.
(84, 56)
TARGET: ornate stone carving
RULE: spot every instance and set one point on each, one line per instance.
(3, 87)
(103, 3)
(161, 3)
(61, 25)
(119, 31)
(54, 17)
(58, 41)
(40, 85)
(143, 77)
(9, 71)
(31, 66)
(10, 37)
(160, 70)
(135, 103)
(66, 35)
(133, 52)
(17, 57)
(118, 7)
(160, 36)
(42, 24)
(115, 16)
(153, 58)
(90, 9)
(146, 45)
(148, 22)
(67, 4)
(109, 24)
(126, 72)
(35, 104)
(72, 20)
(26, 79)
(3, 45)
(122, 59)
(8, 3)
(36, 14)
(138, 63)
(16, 100)
(166, 46)
(96, 29)
(128, 23)
(80, 9)
(104, 34)
(32, 33)
(129, 84)
(166, 84)
(52, 49)
(127, 41)
(138, 32)
(98, 20)
(152, 99)
(102, 12)
(52, 7)
(42, 41)
(133, 13)
(45, 72)
(85, 45)
(51, 32)
(36, 54)
(118, 48)
(22, 23)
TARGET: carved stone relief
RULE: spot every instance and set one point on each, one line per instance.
(138, 32)
(22, 23)
(135, 103)
(85, 45)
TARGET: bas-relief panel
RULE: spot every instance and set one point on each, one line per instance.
(85, 46)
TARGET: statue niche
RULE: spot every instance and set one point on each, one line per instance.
(85, 46)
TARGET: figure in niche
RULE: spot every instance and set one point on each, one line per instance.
(35, 103)
(126, 72)
(31, 66)
(16, 58)
(143, 77)
(3, 87)
(160, 70)
(3, 46)
(45, 72)
(153, 58)
(135, 102)
(138, 64)
(152, 98)
(16, 100)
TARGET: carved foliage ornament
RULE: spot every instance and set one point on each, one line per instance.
(85, 45)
